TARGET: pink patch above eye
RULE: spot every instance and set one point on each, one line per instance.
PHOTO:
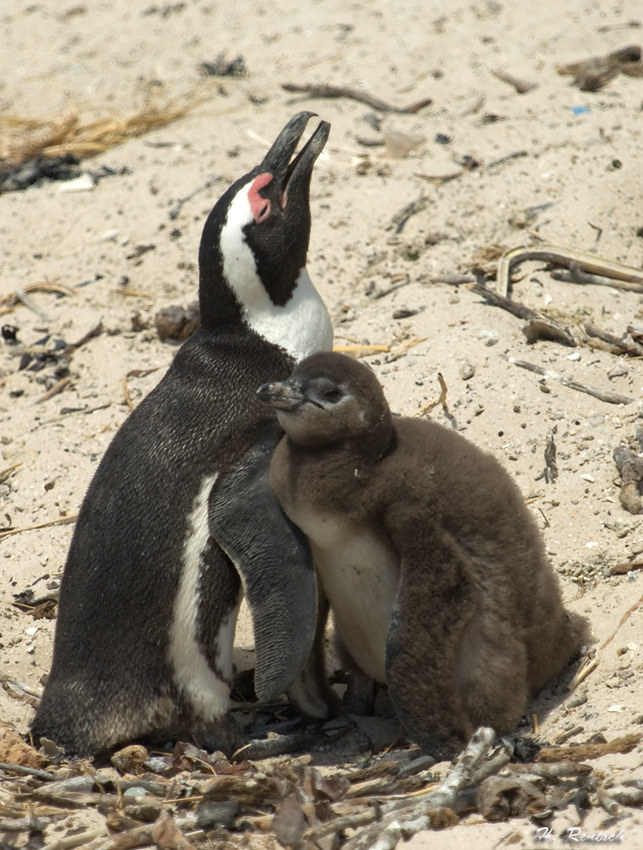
(260, 207)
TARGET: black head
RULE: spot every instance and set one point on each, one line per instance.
(255, 241)
(331, 399)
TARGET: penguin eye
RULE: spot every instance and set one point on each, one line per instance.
(263, 213)
(260, 207)
(333, 395)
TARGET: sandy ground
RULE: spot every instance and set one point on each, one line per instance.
(569, 174)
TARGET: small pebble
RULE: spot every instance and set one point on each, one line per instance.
(467, 371)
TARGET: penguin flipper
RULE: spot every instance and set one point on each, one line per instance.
(274, 563)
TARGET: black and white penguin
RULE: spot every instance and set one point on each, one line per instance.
(433, 566)
(179, 519)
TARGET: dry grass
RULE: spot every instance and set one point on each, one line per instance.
(23, 138)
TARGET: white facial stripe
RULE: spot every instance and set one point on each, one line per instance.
(209, 694)
(302, 326)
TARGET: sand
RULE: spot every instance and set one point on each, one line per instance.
(553, 164)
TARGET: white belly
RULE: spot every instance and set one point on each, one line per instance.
(359, 573)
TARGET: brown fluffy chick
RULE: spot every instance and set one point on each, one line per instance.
(433, 566)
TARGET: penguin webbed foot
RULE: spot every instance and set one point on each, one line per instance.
(223, 735)
(360, 694)
(277, 744)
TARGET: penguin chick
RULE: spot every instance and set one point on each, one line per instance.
(179, 518)
(433, 566)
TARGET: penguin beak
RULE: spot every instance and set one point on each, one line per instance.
(294, 177)
(284, 395)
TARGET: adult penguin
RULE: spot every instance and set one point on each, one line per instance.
(179, 520)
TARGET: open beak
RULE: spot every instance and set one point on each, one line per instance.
(282, 395)
(296, 173)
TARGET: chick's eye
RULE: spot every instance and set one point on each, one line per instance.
(333, 395)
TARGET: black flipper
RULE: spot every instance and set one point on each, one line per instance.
(274, 562)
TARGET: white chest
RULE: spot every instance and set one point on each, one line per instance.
(359, 573)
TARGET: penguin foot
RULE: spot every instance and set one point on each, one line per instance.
(360, 694)
(223, 735)
(279, 745)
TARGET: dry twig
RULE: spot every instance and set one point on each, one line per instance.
(583, 752)
(405, 820)
(602, 395)
(564, 257)
(623, 619)
(65, 520)
(355, 94)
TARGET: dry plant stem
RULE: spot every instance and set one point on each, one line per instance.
(5, 473)
(57, 388)
(618, 345)
(354, 94)
(361, 350)
(75, 840)
(565, 736)
(602, 395)
(127, 397)
(178, 206)
(608, 803)
(575, 275)
(628, 796)
(564, 257)
(27, 771)
(521, 86)
(626, 567)
(623, 619)
(588, 667)
(497, 299)
(91, 334)
(360, 818)
(582, 752)
(407, 819)
(438, 179)
(62, 521)
(543, 327)
(28, 301)
(12, 299)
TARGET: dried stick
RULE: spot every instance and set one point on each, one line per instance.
(564, 257)
(23, 770)
(75, 840)
(619, 345)
(127, 397)
(602, 395)
(496, 299)
(544, 327)
(62, 521)
(28, 302)
(91, 333)
(355, 94)
(407, 819)
(587, 667)
(178, 206)
(582, 752)
(5, 473)
(575, 275)
(57, 388)
(625, 617)
(521, 86)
